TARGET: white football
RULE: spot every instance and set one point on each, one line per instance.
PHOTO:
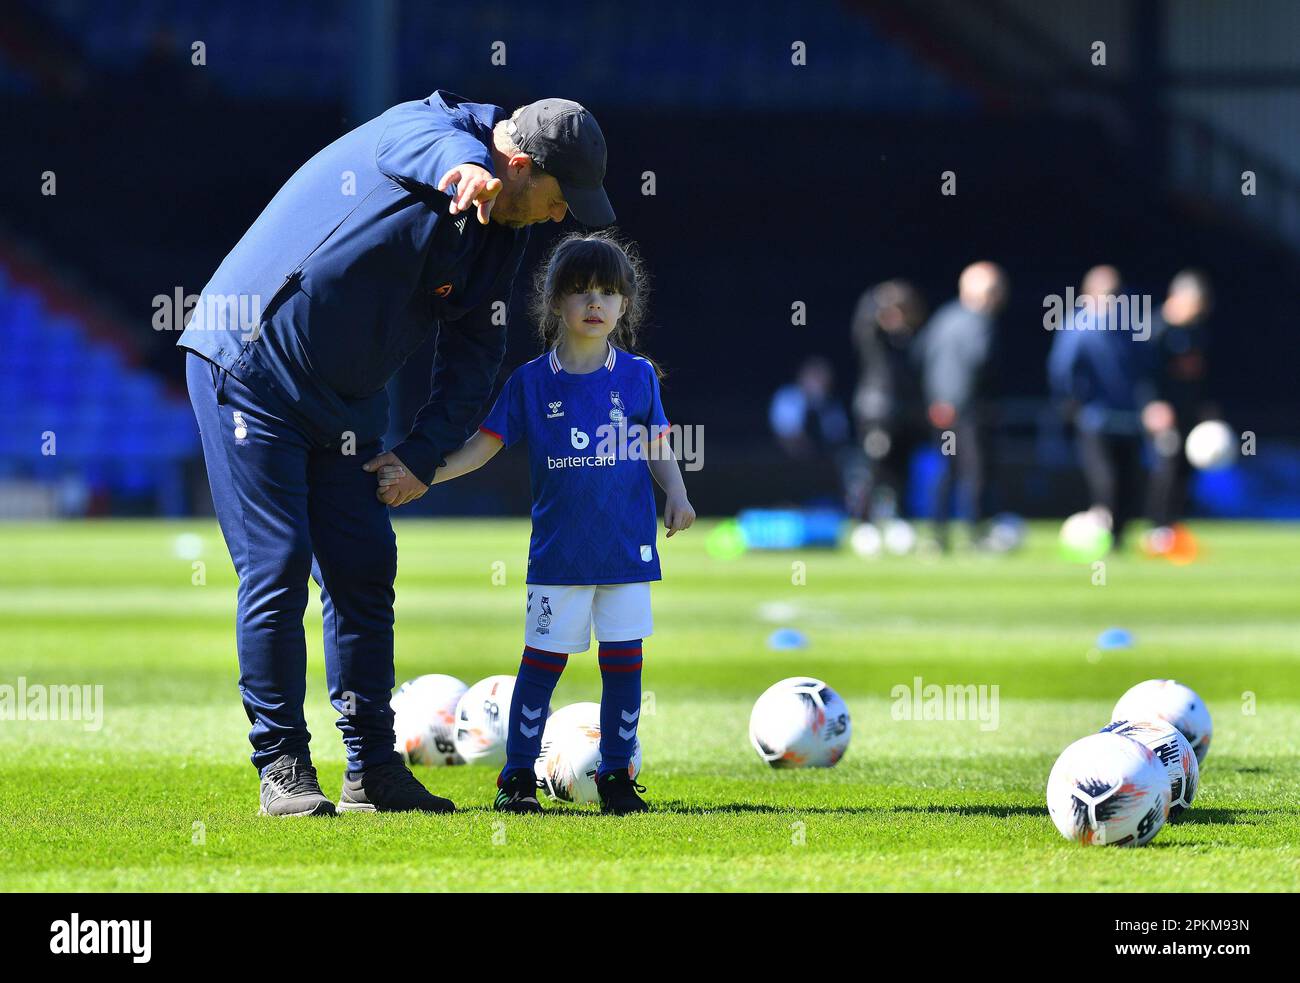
(570, 756)
(1108, 790)
(482, 716)
(866, 540)
(1171, 701)
(900, 537)
(424, 716)
(800, 723)
(1086, 533)
(1169, 745)
(1211, 446)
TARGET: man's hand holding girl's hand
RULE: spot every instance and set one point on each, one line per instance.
(397, 486)
(678, 514)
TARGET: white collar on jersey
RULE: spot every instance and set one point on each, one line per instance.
(557, 367)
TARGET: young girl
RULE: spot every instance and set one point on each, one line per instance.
(589, 411)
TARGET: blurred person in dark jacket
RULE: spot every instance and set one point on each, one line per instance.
(1098, 368)
(888, 407)
(957, 355)
(1179, 339)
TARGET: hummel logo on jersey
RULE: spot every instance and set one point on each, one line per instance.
(555, 410)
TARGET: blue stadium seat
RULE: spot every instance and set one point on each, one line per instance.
(114, 425)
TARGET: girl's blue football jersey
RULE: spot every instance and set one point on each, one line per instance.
(594, 513)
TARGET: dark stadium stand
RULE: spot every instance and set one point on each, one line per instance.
(186, 158)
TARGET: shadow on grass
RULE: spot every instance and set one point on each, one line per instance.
(997, 812)
(1196, 816)
(679, 808)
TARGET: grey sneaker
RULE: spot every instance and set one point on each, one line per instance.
(290, 788)
(388, 788)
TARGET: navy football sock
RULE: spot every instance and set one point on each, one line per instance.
(539, 671)
(620, 702)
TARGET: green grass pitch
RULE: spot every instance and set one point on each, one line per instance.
(163, 798)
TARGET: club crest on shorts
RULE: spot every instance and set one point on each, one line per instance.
(241, 429)
(617, 413)
(544, 619)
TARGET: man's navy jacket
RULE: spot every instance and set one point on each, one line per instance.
(1104, 368)
(352, 265)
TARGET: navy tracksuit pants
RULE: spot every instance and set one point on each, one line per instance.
(290, 508)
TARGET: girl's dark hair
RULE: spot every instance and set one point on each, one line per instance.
(582, 260)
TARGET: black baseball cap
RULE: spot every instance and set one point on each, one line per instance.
(565, 141)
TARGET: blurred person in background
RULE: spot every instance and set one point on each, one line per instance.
(888, 408)
(806, 416)
(956, 353)
(1179, 341)
(1098, 369)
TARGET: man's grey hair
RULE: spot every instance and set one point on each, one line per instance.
(505, 132)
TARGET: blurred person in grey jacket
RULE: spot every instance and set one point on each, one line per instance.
(956, 350)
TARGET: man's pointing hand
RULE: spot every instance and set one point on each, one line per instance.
(474, 185)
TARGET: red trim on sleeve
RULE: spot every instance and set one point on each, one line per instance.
(493, 433)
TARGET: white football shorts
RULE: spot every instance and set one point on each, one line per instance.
(560, 618)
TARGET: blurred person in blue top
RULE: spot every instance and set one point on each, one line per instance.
(811, 426)
(1098, 368)
(588, 409)
(804, 414)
